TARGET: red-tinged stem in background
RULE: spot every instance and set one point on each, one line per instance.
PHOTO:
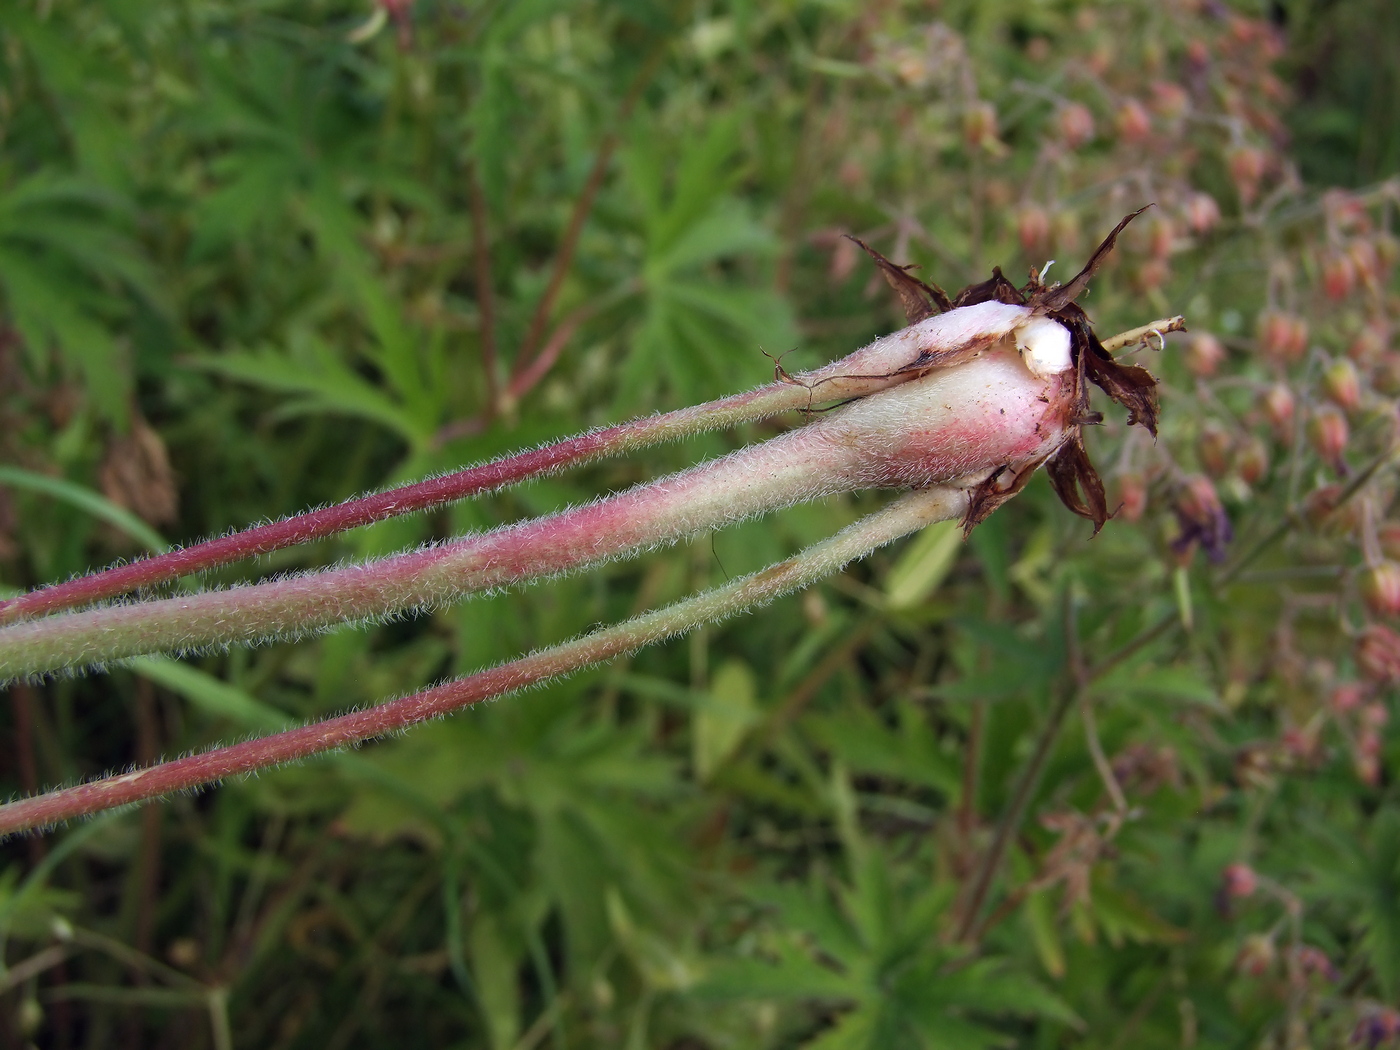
(906, 515)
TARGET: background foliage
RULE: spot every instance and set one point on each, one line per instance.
(1032, 789)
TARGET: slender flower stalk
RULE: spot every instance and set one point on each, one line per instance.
(900, 518)
(954, 425)
(883, 363)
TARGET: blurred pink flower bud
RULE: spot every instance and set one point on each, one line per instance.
(1341, 384)
(1132, 494)
(1329, 434)
(1378, 654)
(1389, 536)
(1346, 697)
(1213, 449)
(1076, 124)
(1133, 121)
(1257, 955)
(1247, 165)
(1239, 881)
(1161, 237)
(1202, 518)
(1169, 99)
(1375, 714)
(980, 125)
(1338, 275)
(1204, 355)
(1368, 344)
(1380, 587)
(1377, 1026)
(1202, 213)
(1314, 962)
(1252, 460)
(1279, 405)
(1282, 337)
(1033, 229)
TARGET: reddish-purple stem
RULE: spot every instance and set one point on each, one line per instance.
(316, 524)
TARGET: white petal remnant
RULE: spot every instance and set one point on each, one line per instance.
(1045, 346)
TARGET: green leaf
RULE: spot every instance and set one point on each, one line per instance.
(88, 501)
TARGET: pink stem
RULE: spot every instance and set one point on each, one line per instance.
(900, 518)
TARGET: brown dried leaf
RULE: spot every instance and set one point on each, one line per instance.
(919, 299)
(995, 288)
(136, 474)
(1077, 483)
(1062, 296)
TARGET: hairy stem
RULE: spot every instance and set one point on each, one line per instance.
(900, 518)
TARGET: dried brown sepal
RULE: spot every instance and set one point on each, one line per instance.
(1057, 298)
(1132, 386)
(920, 299)
(1077, 483)
(993, 492)
(994, 289)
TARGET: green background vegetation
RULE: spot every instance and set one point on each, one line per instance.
(254, 259)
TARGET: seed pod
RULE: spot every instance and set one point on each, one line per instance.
(1329, 434)
(1202, 518)
(1380, 587)
(1133, 121)
(1378, 654)
(1202, 213)
(1278, 405)
(1341, 384)
(1204, 355)
(1366, 261)
(1076, 124)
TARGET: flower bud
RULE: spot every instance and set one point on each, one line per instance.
(1368, 344)
(1247, 165)
(1283, 337)
(1338, 275)
(1132, 495)
(1152, 274)
(1257, 955)
(1389, 536)
(1204, 355)
(1314, 962)
(1341, 384)
(1378, 654)
(1169, 99)
(980, 125)
(1376, 1027)
(1385, 376)
(1202, 213)
(1161, 237)
(1346, 697)
(1213, 449)
(1076, 124)
(1252, 460)
(1328, 515)
(1132, 120)
(1375, 715)
(1033, 229)
(1328, 432)
(1202, 518)
(1380, 588)
(1278, 406)
(1239, 881)
(1366, 261)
